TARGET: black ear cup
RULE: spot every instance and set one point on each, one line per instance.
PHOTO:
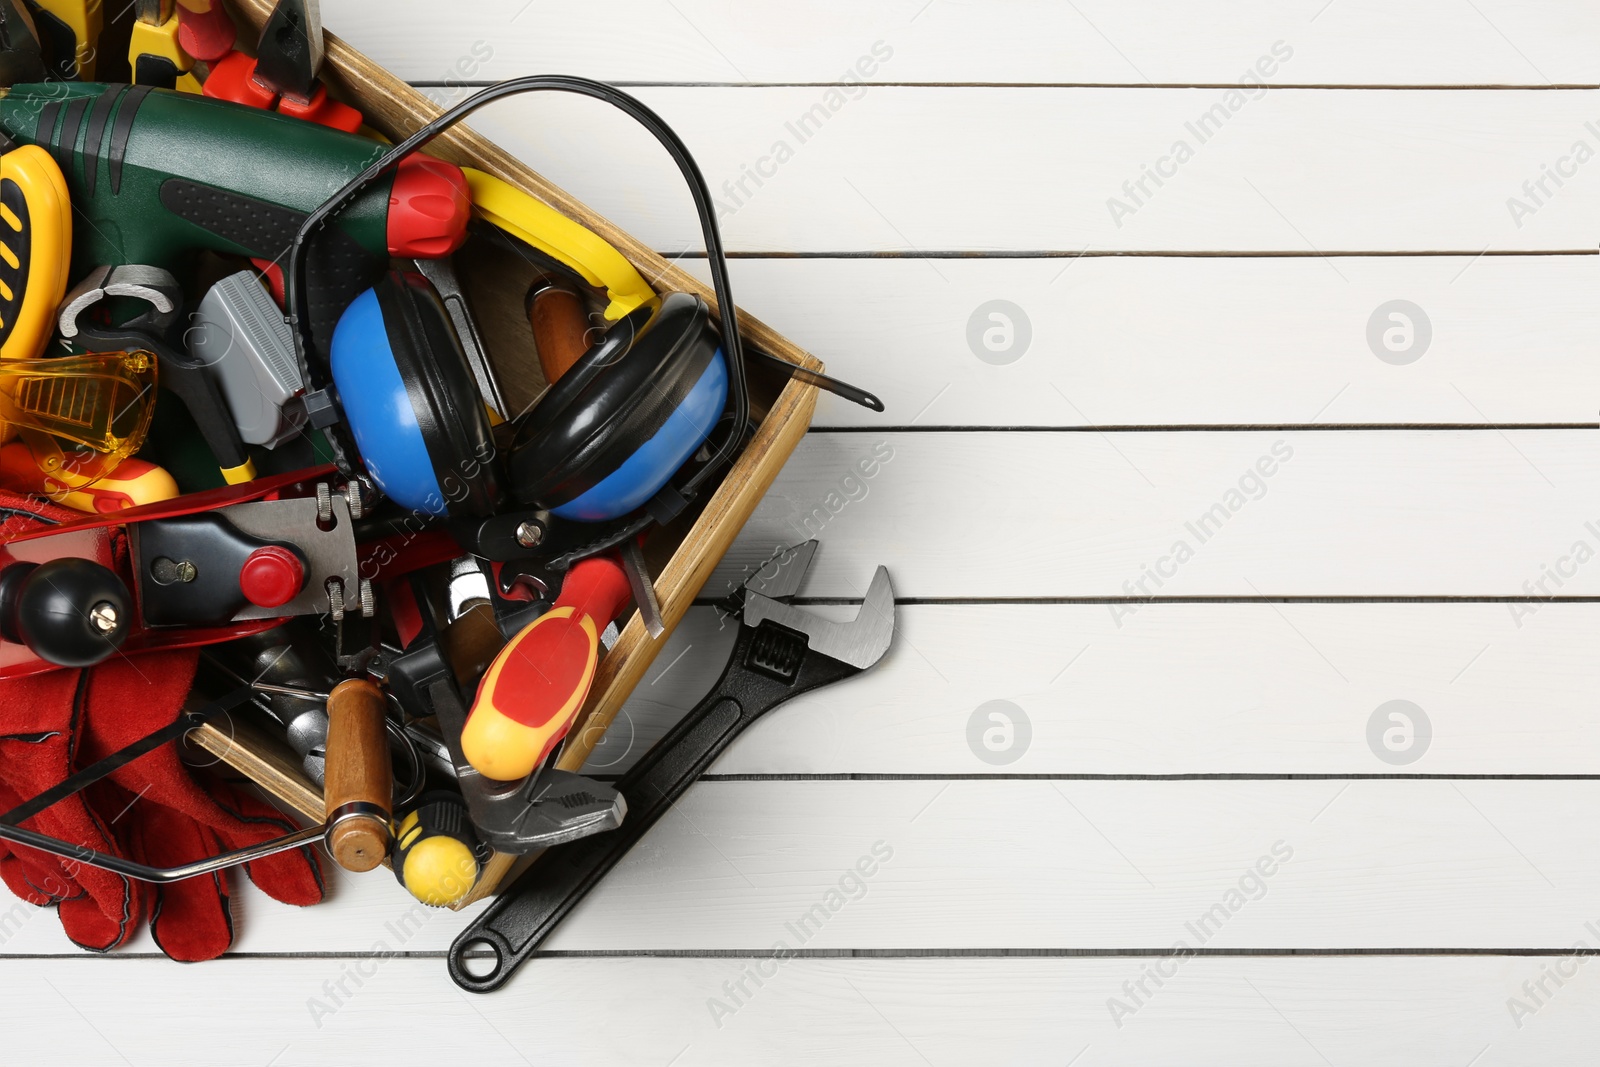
(607, 436)
(411, 402)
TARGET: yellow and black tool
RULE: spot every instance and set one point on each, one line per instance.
(154, 53)
(75, 417)
(35, 249)
(70, 30)
(437, 857)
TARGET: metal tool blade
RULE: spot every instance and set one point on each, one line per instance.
(861, 642)
(289, 54)
(854, 394)
(642, 587)
(153, 12)
(442, 273)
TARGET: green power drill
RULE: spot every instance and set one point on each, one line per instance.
(156, 176)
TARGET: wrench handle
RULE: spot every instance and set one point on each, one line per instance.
(526, 914)
(521, 919)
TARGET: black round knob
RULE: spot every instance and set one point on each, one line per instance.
(71, 612)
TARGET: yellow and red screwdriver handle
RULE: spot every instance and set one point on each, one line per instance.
(536, 686)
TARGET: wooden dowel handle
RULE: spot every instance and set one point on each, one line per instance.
(358, 783)
(560, 326)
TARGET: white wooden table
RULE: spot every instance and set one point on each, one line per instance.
(1187, 479)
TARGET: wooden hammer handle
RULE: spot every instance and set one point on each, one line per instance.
(358, 782)
(560, 326)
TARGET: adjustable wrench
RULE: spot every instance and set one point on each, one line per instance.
(780, 652)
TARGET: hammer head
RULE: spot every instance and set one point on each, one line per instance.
(861, 642)
(289, 54)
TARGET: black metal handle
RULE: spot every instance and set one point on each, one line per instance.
(769, 665)
(202, 395)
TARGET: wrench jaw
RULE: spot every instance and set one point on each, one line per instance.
(861, 642)
(778, 577)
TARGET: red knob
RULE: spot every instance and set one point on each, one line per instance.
(429, 208)
(272, 576)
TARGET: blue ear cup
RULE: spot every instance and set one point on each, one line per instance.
(411, 403)
(601, 443)
(608, 436)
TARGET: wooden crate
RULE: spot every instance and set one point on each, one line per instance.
(682, 555)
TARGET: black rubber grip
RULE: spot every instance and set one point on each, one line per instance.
(158, 72)
(94, 139)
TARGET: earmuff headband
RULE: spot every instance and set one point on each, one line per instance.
(295, 275)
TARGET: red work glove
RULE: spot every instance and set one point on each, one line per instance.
(151, 810)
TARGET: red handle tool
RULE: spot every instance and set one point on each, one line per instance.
(536, 686)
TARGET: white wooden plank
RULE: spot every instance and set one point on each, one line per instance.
(1358, 42)
(1179, 688)
(1084, 514)
(910, 169)
(1105, 864)
(986, 864)
(1146, 341)
(1250, 1012)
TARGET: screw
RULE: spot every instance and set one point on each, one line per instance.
(529, 534)
(103, 617)
(355, 494)
(166, 571)
(368, 606)
(335, 590)
(324, 504)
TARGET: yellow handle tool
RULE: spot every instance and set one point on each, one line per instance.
(35, 250)
(530, 219)
(536, 686)
(84, 484)
(74, 23)
(153, 49)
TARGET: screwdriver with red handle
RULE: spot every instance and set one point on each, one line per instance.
(536, 686)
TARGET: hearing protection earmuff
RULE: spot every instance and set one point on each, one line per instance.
(602, 443)
(411, 403)
(633, 409)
